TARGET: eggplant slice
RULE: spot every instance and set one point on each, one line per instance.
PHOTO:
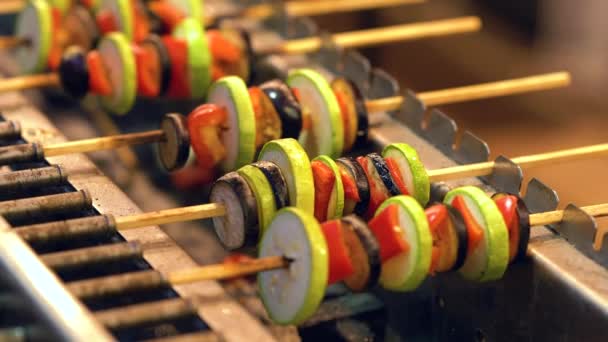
(277, 182)
(74, 72)
(461, 232)
(286, 105)
(365, 253)
(174, 149)
(356, 171)
(384, 173)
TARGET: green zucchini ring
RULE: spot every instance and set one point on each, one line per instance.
(115, 51)
(411, 169)
(34, 24)
(199, 56)
(262, 191)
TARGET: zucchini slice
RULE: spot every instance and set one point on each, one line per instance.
(364, 252)
(335, 207)
(199, 56)
(406, 271)
(123, 14)
(239, 137)
(34, 23)
(115, 51)
(324, 133)
(411, 169)
(291, 295)
(490, 259)
(291, 158)
(239, 227)
(262, 191)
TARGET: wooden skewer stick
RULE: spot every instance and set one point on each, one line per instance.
(103, 143)
(29, 82)
(550, 217)
(377, 36)
(9, 42)
(476, 92)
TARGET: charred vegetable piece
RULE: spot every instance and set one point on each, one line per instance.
(331, 183)
(406, 271)
(263, 194)
(354, 202)
(517, 218)
(80, 26)
(384, 173)
(488, 247)
(294, 164)
(239, 136)
(364, 252)
(340, 263)
(118, 59)
(276, 180)
(354, 112)
(406, 167)
(199, 57)
(268, 123)
(34, 24)
(378, 192)
(291, 295)
(175, 148)
(449, 238)
(286, 105)
(160, 63)
(74, 72)
(205, 125)
(168, 14)
(387, 230)
(239, 227)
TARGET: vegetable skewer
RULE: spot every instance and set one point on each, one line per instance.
(36, 152)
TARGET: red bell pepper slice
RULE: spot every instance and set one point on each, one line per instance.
(169, 15)
(340, 263)
(141, 25)
(205, 125)
(376, 196)
(99, 82)
(56, 50)
(106, 22)
(389, 234)
(508, 208)
(192, 177)
(474, 230)
(179, 84)
(393, 168)
(222, 49)
(324, 179)
(437, 216)
(342, 102)
(147, 72)
(351, 191)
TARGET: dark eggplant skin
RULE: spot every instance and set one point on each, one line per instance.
(384, 173)
(247, 201)
(523, 216)
(156, 24)
(362, 117)
(165, 61)
(370, 244)
(463, 236)
(356, 171)
(277, 182)
(248, 52)
(286, 105)
(74, 72)
(174, 149)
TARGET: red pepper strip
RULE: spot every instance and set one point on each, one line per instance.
(351, 191)
(221, 48)
(389, 234)
(204, 126)
(376, 196)
(147, 71)
(343, 110)
(437, 216)
(99, 82)
(179, 85)
(393, 168)
(192, 177)
(106, 21)
(324, 179)
(474, 230)
(55, 52)
(140, 22)
(508, 208)
(169, 15)
(340, 263)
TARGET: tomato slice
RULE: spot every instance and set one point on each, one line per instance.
(148, 75)
(351, 191)
(393, 168)
(474, 230)
(169, 15)
(389, 234)
(324, 179)
(192, 176)
(507, 205)
(340, 263)
(106, 22)
(55, 51)
(205, 126)
(99, 82)
(179, 85)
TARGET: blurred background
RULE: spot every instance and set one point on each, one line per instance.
(519, 38)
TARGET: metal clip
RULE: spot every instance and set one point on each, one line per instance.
(382, 84)
(329, 55)
(356, 68)
(580, 229)
(506, 176)
(471, 149)
(540, 197)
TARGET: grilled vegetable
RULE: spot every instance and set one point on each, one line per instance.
(277, 182)
(99, 79)
(378, 192)
(199, 57)
(354, 112)
(262, 191)
(174, 149)
(286, 105)
(291, 158)
(352, 173)
(386, 226)
(239, 136)
(449, 238)
(121, 12)
(228, 49)
(488, 247)
(34, 24)
(384, 173)
(340, 263)
(159, 63)
(324, 133)
(407, 169)
(239, 226)
(74, 72)
(191, 8)
(517, 219)
(118, 59)
(364, 252)
(205, 124)
(291, 295)
(329, 192)
(268, 123)
(179, 83)
(406, 271)
(79, 23)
